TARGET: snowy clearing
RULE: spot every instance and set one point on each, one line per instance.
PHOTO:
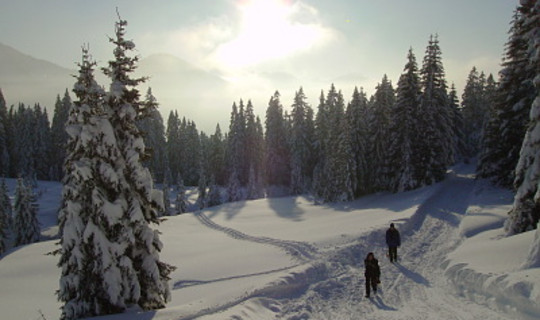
(286, 258)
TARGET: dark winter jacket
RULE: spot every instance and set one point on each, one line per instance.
(392, 238)
(372, 268)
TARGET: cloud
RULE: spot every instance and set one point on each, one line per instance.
(257, 31)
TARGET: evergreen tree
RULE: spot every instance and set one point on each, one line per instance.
(214, 193)
(358, 129)
(277, 149)
(514, 96)
(173, 143)
(151, 125)
(181, 199)
(234, 190)
(166, 197)
(143, 201)
(475, 110)
(404, 147)
(525, 211)
(97, 275)
(457, 124)
(41, 144)
(59, 136)
(254, 146)
(301, 142)
(435, 127)
(383, 101)
(216, 157)
(25, 223)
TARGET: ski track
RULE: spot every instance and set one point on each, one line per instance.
(302, 251)
(414, 288)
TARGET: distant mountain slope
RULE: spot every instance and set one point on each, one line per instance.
(26, 79)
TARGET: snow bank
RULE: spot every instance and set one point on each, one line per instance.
(486, 267)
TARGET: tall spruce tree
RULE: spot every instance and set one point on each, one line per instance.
(25, 223)
(379, 144)
(181, 203)
(97, 275)
(142, 201)
(301, 142)
(59, 136)
(404, 146)
(173, 143)
(151, 125)
(435, 127)
(513, 101)
(358, 129)
(525, 211)
(278, 172)
(41, 144)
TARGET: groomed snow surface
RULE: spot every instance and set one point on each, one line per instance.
(287, 258)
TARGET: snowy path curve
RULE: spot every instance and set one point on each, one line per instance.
(302, 251)
(416, 287)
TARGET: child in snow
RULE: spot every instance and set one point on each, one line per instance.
(372, 273)
(393, 241)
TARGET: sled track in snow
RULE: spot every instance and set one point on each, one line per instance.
(302, 251)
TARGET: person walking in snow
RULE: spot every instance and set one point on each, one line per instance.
(372, 273)
(393, 241)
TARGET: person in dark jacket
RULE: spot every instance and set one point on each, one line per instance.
(393, 241)
(372, 273)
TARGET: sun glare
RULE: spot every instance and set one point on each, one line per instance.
(267, 31)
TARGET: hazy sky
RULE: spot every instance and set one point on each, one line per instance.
(260, 46)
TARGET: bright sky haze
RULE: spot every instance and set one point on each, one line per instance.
(259, 46)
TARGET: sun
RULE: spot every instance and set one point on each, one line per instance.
(267, 31)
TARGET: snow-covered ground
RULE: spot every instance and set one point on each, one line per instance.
(287, 258)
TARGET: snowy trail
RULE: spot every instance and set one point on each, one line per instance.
(416, 287)
(300, 250)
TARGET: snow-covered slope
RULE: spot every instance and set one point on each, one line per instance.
(286, 258)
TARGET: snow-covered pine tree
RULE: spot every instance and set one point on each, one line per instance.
(97, 276)
(166, 197)
(236, 144)
(4, 143)
(142, 200)
(234, 190)
(42, 144)
(278, 172)
(190, 153)
(25, 222)
(457, 122)
(22, 157)
(525, 214)
(202, 187)
(475, 110)
(214, 193)
(340, 166)
(254, 148)
(403, 152)
(151, 125)
(514, 97)
(358, 129)
(181, 199)
(173, 143)
(301, 142)
(216, 157)
(59, 136)
(5, 216)
(320, 180)
(435, 127)
(379, 144)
